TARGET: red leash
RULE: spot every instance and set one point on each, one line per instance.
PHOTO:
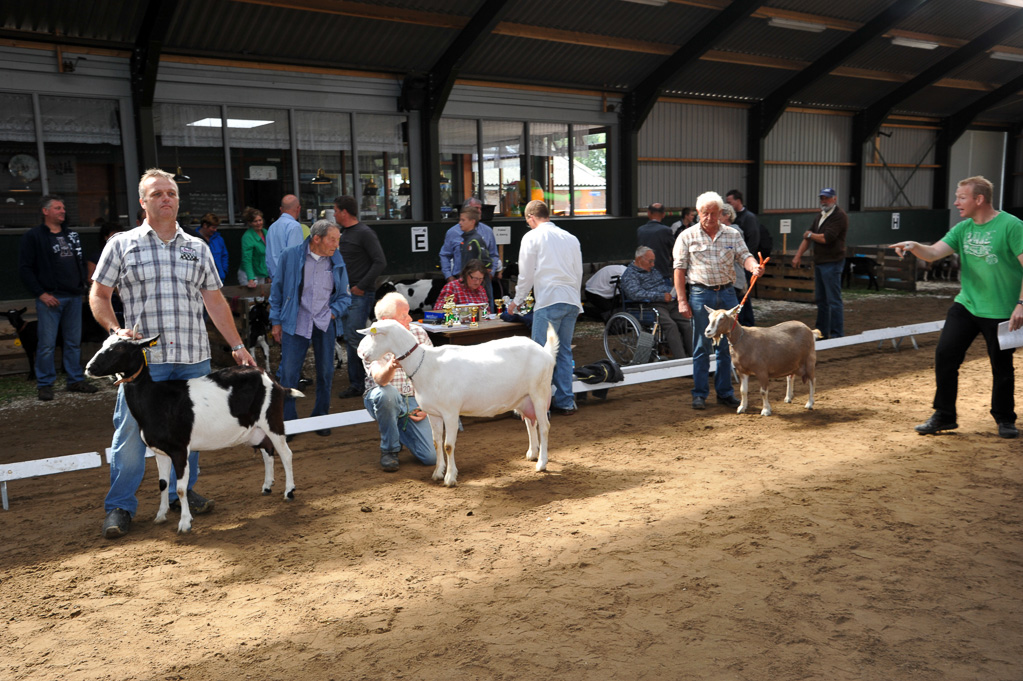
(763, 263)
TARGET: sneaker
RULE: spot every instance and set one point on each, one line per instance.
(46, 393)
(730, 401)
(81, 387)
(351, 391)
(389, 461)
(936, 423)
(699, 403)
(323, 432)
(197, 503)
(1008, 431)
(116, 524)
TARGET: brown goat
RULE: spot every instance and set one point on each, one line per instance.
(787, 349)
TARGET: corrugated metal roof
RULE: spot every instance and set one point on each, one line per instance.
(383, 39)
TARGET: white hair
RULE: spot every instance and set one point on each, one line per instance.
(707, 198)
(387, 307)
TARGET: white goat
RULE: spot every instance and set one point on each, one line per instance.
(510, 374)
(787, 349)
(238, 405)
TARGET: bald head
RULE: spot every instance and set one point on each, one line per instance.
(290, 205)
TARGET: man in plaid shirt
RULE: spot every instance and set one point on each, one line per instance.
(165, 278)
(704, 258)
(390, 399)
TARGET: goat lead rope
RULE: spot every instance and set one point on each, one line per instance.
(753, 280)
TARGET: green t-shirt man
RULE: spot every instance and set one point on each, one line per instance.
(990, 271)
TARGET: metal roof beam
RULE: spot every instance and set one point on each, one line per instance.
(640, 100)
(144, 64)
(867, 122)
(957, 123)
(770, 109)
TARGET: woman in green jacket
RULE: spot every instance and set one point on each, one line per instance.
(252, 272)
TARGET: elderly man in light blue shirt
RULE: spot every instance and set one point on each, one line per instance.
(284, 233)
(308, 297)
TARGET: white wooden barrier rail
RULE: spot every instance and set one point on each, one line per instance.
(634, 375)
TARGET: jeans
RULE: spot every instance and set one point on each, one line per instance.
(562, 316)
(128, 458)
(960, 330)
(827, 293)
(355, 319)
(293, 351)
(68, 316)
(702, 347)
(390, 410)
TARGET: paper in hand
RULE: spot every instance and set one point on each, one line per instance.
(1009, 339)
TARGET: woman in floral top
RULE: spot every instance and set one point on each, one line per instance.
(467, 289)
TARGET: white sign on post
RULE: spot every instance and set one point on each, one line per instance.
(420, 242)
(895, 220)
(502, 234)
(785, 226)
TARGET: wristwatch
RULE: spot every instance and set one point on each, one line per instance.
(238, 347)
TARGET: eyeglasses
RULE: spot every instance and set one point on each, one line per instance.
(477, 277)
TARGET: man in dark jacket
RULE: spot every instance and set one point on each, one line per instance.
(656, 236)
(51, 266)
(747, 223)
(364, 258)
(827, 234)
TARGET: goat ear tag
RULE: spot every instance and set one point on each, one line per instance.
(373, 330)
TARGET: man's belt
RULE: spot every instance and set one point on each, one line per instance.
(711, 288)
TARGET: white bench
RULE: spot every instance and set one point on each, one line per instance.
(32, 469)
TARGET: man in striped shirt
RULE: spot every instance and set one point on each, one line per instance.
(705, 255)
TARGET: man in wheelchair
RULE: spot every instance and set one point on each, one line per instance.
(641, 283)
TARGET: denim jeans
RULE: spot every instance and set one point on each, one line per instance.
(390, 410)
(293, 351)
(827, 293)
(960, 330)
(355, 319)
(702, 347)
(562, 316)
(68, 316)
(128, 458)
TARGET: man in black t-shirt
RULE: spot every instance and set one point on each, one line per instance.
(51, 266)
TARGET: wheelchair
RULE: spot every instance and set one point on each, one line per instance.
(632, 334)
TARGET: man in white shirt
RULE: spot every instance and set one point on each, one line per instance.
(551, 264)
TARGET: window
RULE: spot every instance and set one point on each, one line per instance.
(503, 177)
(261, 171)
(324, 141)
(84, 158)
(382, 143)
(458, 164)
(190, 142)
(21, 178)
(548, 151)
(589, 170)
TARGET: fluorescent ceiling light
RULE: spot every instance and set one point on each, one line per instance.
(1007, 3)
(795, 24)
(913, 42)
(654, 3)
(1007, 56)
(231, 123)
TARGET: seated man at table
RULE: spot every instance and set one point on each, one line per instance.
(467, 289)
(642, 283)
(389, 397)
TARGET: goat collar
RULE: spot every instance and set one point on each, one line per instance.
(411, 350)
(129, 379)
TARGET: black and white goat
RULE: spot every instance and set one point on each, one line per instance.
(259, 328)
(226, 408)
(510, 374)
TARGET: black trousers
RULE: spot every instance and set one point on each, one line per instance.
(961, 328)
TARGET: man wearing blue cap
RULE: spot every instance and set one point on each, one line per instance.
(827, 235)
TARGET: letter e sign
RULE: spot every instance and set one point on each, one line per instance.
(419, 240)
